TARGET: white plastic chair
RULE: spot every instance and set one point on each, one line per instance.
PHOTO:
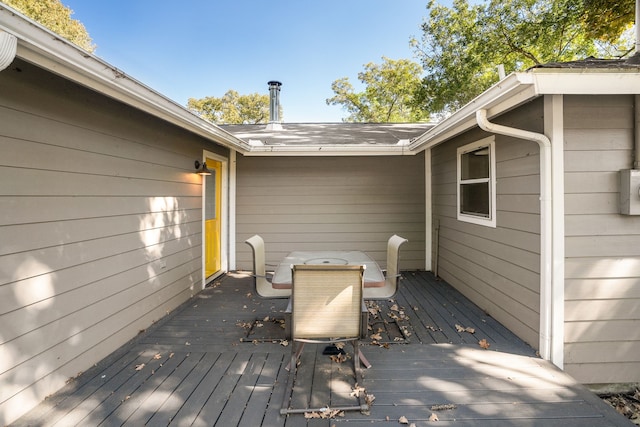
(326, 307)
(262, 284)
(392, 274)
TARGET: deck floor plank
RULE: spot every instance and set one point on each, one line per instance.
(209, 414)
(219, 375)
(79, 393)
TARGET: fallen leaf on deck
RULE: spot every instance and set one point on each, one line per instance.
(139, 367)
(339, 358)
(463, 329)
(266, 319)
(394, 307)
(357, 390)
(443, 407)
(369, 398)
(324, 413)
(403, 420)
(157, 356)
(375, 336)
(484, 344)
(433, 417)
(284, 343)
(339, 345)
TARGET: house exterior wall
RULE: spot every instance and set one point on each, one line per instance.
(497, 268)
(100, 224)
(602, 247)
(331, 203)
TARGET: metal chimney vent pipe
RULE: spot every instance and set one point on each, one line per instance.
(274, 105)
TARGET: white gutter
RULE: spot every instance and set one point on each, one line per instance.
(546, 229)
(8, 47)
(329, 150)
(40, 46)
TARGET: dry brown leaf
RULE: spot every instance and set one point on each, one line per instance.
(355, 392)
(266, 319)
(339, 345)
(369, 398)
(403, 420)
(467, 329)
(324, 413)
(375, 336)
(433, 417)
(171, 355)
(139, 367)
(394, 307)
(443, 407)
(484, 344)
(339, 358)
(284, 343)
(157, 356)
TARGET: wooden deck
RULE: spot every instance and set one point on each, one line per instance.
(219, 361)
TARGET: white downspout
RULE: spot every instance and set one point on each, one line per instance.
(8, 48)
(546, 255)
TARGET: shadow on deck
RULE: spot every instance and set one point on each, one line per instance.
(219, 360)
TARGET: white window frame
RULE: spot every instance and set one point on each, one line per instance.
(488, 142)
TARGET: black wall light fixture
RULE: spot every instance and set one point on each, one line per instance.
(201, 168)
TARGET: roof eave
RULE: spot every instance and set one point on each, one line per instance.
(513, 90)
(45, 49)
(329, 150)
(519, 88)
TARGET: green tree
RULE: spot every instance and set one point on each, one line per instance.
(233, 108)
(387, 96)
(56, 17)
(462, 46)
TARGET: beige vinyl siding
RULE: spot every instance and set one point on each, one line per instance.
(100, 224)
(324, 203)
(498, 268)
(602, 287)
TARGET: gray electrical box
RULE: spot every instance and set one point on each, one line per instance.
(630, 192)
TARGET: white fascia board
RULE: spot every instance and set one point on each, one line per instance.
(329, 150)
(45, 49)
(573, 81)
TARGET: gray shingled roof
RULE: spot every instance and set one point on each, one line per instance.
(346, 134)
(591, 62)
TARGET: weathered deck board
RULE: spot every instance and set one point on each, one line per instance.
(201, 368)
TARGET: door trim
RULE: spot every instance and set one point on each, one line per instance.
(224, 220)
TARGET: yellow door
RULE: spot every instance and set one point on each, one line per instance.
(212, 220)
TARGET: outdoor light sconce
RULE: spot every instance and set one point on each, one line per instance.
(201, 168)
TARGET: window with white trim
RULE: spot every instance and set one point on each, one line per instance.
(477, 182)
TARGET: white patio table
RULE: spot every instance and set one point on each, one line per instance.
(373, 275)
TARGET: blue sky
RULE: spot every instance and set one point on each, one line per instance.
(198, 48)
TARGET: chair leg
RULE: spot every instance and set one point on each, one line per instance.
(364, 360)
(357, 358)
(288, 391)
(297, 355)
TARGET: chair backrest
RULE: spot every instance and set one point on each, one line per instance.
(326, 301)
(257, 245)
(393, 250)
